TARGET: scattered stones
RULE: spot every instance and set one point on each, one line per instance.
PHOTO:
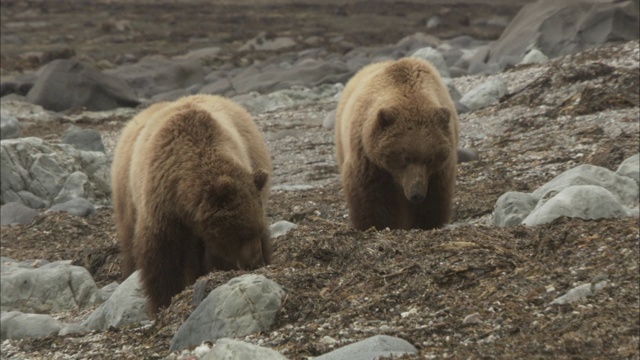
(472, 319)
(256, 300)
(371, 348)
(297, 95)
(266, 42)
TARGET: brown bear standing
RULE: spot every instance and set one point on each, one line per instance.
(190, 185)
(396, 139)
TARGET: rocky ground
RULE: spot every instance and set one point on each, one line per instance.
(471, 290)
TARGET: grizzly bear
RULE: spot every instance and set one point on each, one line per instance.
(396, 146)
(190, 186)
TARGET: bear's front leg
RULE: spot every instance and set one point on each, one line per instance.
(160, 255)
(435, 211)
(370, 195)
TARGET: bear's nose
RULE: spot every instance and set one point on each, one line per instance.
(417, 198)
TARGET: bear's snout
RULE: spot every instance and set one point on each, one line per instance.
(417, 192)
(414, 183)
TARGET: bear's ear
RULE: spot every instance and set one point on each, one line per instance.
(260, 178)
(223, 189)
(442, 117)
(386, 118)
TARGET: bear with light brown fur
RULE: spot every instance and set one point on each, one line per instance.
(190, 186)
(397, 139)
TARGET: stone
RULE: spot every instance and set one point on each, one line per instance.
(51, 288)
(485, 94)
(9, 127)
(18, 325)
(630, 168)
(588, 202)
(559, 28)
(371, 348)
(69, 84)
(434, 57)
(329, 121)
(580, 292)
(246, 304)
(74, 187)
(624, 189)
(229, 349)
(127, 305)
(256, 103)
(157, 74)
(77, 206)
(15, 213)
(534, 56)
(33, 170)
(83, 139)
(281, 228)
(513, 207)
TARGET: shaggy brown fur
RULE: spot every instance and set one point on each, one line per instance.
(396, 139)
(190, 185)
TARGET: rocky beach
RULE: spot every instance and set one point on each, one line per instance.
(541, 258)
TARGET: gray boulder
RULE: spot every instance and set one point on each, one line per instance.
(371, 349)
(630, 168)
(434, 57)
(309, 73)
(580, 201)
(229, 349)
(485, 94)
(513, 207)
(559, 28)
(127, 305)
(74, 187)
(9, 127)
(83, 139)
(255, 302)
(534, 56)
(16, 213)
(33, 171)
(624, 189)
(157, 74)
(17, 325)
(54, 287)
(77, 206)
(67, 84)
(281, 228)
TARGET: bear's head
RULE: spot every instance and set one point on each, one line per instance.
(231, 221)
(411, 143)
